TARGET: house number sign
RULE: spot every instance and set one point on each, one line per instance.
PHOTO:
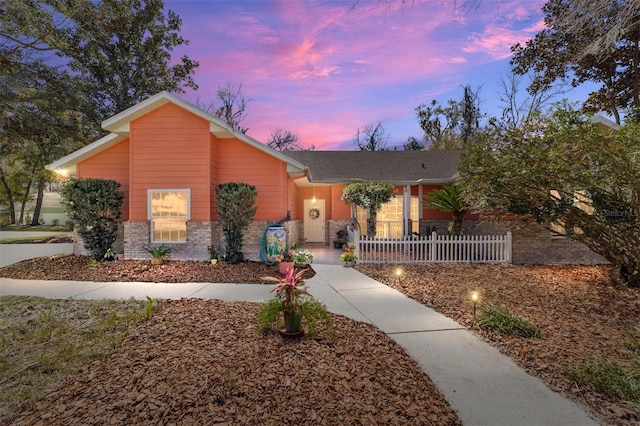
(314, 213)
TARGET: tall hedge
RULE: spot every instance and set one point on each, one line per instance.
(94, 205)
(236, 210)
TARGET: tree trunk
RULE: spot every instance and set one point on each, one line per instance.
(372, 223)
(12, 207)
(627, 275)
(36, 211)
(25, 198)
(457, 224)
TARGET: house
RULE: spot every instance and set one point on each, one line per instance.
(169, 155)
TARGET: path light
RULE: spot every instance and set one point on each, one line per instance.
(474, 299)
(399, 274)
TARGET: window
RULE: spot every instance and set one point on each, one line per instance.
(169, 210)
(389, 223)
(582, 201)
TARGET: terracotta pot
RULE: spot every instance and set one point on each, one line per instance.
(283, 266)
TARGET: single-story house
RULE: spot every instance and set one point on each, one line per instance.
(169, 155)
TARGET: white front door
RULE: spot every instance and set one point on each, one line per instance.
(314, 221)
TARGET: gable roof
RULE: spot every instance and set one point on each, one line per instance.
(119, 126)
(397, 167)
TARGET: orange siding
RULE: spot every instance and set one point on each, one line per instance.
(240, 162)
(293, 198)
(321, 193)
(170, 149)
(112, 163)
(339, 209)
(214, 143)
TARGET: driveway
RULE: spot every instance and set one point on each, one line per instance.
(12, 253)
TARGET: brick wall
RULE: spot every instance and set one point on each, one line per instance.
(532, 243)
(334, 227)
(294, 230)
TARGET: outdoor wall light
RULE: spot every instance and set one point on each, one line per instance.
(474, 299)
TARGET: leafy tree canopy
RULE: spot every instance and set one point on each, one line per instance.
(565, 51)
(564, 170)
(452, 126)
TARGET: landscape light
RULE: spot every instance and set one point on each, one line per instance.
(474, 298)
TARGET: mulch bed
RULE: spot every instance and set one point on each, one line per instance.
(202, 362)
(80, 268)
(582, 317)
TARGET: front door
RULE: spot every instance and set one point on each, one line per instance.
(314, 221)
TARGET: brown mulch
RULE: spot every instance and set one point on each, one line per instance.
(582, 317)
(80, 268)
(202, 362)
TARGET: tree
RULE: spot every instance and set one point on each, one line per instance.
(564, 169)
(558, 52)
(370, 196)
(449, 199)
(412, 145)
(236, 209)
(452, 126)
(94, 205)
(284, 140)
(230, 106)
(371, 137)
(123, 50)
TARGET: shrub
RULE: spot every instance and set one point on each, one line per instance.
(505, 322)
(236, 211)
(94, 205)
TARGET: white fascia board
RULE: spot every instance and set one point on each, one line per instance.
(88, 151)
(120, 122)
(598, 119)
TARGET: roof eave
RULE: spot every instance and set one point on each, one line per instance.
(88, 151)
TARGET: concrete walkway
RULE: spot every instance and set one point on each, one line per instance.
(482, 385)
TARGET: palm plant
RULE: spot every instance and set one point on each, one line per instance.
(449, 199)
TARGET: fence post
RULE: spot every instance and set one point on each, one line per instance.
(432, 247)
(356, 237)
(508, 251)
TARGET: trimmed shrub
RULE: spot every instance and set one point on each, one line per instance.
(236, 210)
(94, 205)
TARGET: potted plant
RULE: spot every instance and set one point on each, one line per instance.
(286, 260)
(349, 258)
(214, 255)
(295, 305)
(158, 253)
(341, 239)
(302, 258)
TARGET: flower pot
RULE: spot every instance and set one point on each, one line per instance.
(292, 321)
(283, 266)
(214, 261)
(157, 261)
(349, 264)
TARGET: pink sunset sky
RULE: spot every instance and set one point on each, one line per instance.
(322, 69)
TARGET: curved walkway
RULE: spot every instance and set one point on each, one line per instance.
(482, 385)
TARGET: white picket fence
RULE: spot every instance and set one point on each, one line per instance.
(433, 249)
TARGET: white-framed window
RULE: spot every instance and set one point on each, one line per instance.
(168, 211)
(390, 219)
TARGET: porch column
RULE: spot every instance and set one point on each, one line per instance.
(406, 210)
